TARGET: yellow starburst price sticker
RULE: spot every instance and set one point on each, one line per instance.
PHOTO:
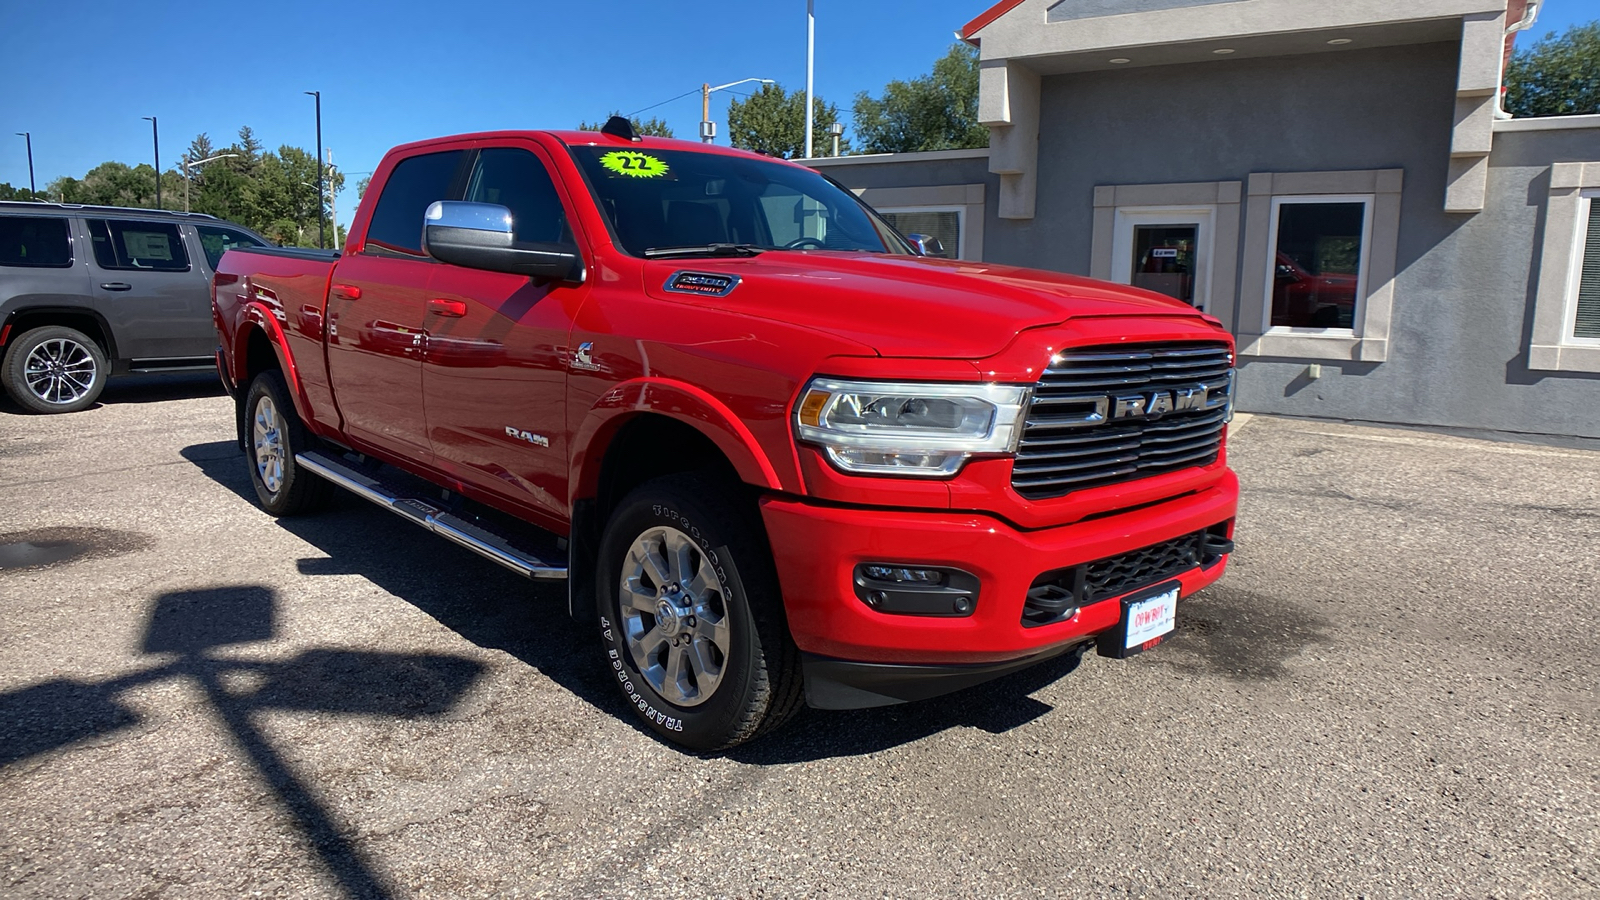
(634, 164)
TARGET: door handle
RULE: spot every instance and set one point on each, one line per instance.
(116, 285)
(454, 309)
(347, 292)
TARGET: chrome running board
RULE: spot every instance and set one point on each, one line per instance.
(446, 524)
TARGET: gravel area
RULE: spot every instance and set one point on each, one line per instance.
(1391, 694)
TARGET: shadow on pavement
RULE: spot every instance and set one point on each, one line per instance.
(188, 626)
(141, 389)
(498, 610)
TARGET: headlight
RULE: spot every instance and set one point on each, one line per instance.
(878, 428)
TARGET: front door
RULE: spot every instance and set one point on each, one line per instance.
(1165, 250)
(494, 374)
(376, 305)
(156, 299)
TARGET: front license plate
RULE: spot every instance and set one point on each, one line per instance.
(1147, 618)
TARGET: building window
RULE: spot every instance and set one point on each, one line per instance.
(1318, 271)
(943, 223)
(1566, 312)
(1586, 308)
(1320, 255)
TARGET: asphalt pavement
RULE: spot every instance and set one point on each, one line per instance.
(1391, 694)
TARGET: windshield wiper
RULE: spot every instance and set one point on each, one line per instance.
(704, 250)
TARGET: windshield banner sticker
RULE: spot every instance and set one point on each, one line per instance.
(634, 164)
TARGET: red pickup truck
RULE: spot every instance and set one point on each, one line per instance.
(778, 455)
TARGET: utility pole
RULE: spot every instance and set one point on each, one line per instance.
(28, 135)
(186, 182)
(322, 238)
(333, 198)
(155, 137)
(811, 57)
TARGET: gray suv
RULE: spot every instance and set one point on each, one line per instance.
(87, 292)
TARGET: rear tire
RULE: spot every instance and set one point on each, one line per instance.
(273, 434)
(54, 369)
(691, 617)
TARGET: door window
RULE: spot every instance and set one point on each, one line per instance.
(1164, 259)
(516, 179)
(145, 246)
(416, 182)
(35, 242)
(217, 241)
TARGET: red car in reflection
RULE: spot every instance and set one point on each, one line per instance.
(1303, 300)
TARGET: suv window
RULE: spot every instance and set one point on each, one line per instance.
(416, 182)
(218, 241)
(517, 180)
(37, 242)
(149, 246)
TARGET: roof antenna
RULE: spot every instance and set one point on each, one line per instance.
(619, 126)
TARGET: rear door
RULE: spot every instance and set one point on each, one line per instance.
(376, 306)
(148, 288)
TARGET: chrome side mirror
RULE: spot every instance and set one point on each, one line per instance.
(925, 244)
(483, 236)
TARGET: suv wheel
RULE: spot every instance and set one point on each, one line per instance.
(273, 435)
(690, 615)
(54, 369)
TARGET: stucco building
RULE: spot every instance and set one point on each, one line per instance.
(1331, 180)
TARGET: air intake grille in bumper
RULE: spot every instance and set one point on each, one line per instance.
(1060, 593)
(1073, 439)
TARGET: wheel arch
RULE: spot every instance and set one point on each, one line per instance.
(81, 318)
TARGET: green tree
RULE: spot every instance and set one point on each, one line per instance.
(7, 192)
(773, 121)
(937, 111)
(650, 126)
(1557, 76)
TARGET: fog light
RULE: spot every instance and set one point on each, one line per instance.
(917, 590)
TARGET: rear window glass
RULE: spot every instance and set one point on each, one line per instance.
(35, 242)
(217, 241)
(416, 182)
(153, 246)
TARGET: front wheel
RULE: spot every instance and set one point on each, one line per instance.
(273, 435)
(691, 617)
(54, 369)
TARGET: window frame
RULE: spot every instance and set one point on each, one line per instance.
(1203, 217)
(1553, 345)
(1587, 200)
(1367, 340)
(961, 221)
(1363, 267)
(454, 190)
(72, 246)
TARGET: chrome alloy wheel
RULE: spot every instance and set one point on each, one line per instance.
(267, 431)
(59, 371)
(674, 616)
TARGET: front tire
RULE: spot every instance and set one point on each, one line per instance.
(273, 435)
(691, 617)
(54, 369)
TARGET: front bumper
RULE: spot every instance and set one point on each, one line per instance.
(817, 548)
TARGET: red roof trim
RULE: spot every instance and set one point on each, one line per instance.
(987, 16)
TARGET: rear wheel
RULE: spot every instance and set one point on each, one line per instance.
(691, 617)
(54, 369)
(273, 435)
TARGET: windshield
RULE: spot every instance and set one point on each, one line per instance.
(659, 200)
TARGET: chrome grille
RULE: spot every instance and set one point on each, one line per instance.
(1070, 442)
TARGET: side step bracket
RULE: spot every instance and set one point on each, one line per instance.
(442, 522)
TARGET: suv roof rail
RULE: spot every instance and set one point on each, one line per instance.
(89, 207)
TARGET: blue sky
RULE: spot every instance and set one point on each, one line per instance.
(80, 75)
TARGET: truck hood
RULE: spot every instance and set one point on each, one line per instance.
(907, 306)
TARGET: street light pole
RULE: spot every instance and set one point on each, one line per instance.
(708, 128)
(811, 57)
(322, 238)
(155, 137)
(28, 136)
